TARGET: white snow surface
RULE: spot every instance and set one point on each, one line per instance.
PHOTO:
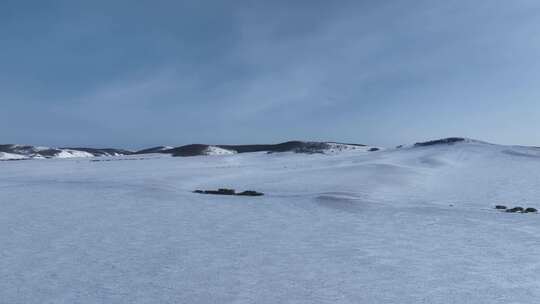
(214, 150)
(413, 225)
(31, 152)
(11, 156)
(67, 153)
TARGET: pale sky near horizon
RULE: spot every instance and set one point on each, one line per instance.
(136, 74)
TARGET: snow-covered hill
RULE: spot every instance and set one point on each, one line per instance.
(214, 150)
(306, 147)
(158, 149)
(11, 156)
(17, 152)
(409, 225)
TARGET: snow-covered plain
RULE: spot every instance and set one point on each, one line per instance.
(412, 225)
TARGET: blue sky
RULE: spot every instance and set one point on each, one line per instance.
(142, 73)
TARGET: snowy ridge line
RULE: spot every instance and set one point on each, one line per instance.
(14, 152)
(306, 147)
(20, 152)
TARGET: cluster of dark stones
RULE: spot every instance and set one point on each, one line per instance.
(224, 191)
(516, 209)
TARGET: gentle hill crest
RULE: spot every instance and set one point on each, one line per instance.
(21, 152)
(18, 152)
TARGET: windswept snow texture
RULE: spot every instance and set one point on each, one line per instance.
(412, 225)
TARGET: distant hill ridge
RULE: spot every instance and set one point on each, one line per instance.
(290, 146)
(17, 152)
(444, 141)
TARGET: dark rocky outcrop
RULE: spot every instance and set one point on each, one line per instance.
(515, 209)
(250, 193)
(221, 191)
(225, 191)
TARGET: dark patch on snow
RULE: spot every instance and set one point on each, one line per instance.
(444, 141)
(188, 150)
(290, 146)
(515, 209)
(250, 193)
(49, 153)
(159, 149)
(225, 191)
(103, 152)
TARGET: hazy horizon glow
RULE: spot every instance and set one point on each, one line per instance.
(133, 75)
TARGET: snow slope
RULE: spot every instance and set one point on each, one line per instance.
(410, 225)
(11, 156)
(306, 147)
(339, 147)
(68, 153)
(213, 150)
(34, 152)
